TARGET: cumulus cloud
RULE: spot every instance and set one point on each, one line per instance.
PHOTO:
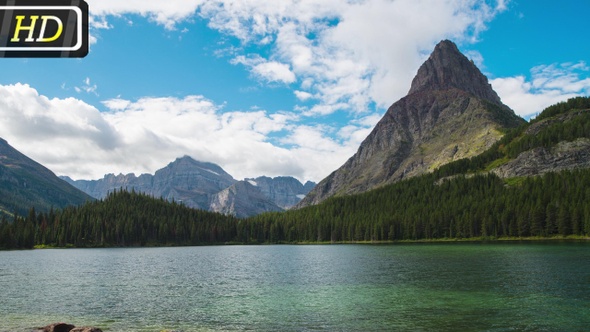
(340, 58)
(270, 71)
(56, 132)
(547, 85)
(73, 138)
(327, 48)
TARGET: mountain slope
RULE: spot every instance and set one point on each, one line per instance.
(551, 143)
(284, 191)
(451, 112)
(242, 199)
(25, 183)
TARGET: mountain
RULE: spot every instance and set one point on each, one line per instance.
(204, 186)
(451, 112)
(184, 180)
(242, 199)
(25, 183)
(533, 182)
(284, 191)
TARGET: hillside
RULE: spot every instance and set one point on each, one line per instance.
(25, 183)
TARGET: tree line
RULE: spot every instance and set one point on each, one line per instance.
(122, 219)
(419, 208)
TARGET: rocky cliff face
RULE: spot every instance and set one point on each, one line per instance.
(563, 156)
(190, 181)
(566, 155)
(101, 188)
(451, 112)
(284, 191)
(447, 68)
(242, 200)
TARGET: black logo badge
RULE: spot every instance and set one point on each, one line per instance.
(40, 29)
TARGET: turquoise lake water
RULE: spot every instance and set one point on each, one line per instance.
(407, 287)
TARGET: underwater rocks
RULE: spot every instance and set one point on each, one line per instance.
(63, 327)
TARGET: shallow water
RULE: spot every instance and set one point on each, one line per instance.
(410, 287)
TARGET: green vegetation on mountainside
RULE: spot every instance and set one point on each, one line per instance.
(549, 133)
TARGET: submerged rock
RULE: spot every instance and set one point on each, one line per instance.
(64, 327)
(58, 327)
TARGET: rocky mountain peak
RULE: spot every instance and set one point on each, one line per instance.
(242, 200)
(189, 161)
(450, 113)
(448, 68)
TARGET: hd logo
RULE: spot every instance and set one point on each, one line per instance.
(50, 28)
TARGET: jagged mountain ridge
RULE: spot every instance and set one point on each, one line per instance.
(24, 183)
(204, 186)
(285, 191)
(185, 179)
(242, 199)
(451, 112)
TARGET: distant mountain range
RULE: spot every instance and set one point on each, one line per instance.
(25, 183)
(204, 186)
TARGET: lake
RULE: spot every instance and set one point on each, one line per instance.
(404, 287)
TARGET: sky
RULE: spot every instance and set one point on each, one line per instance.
(275, 88)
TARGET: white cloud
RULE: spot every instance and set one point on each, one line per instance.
(341, 52)
(270, 71)
(302, 95)
(87, 87)
(502, 5)
(73, 138)
(549, 84)
(337, 55)
(57, 132)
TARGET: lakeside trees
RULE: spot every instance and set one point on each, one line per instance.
(419, 208)
(122, 219)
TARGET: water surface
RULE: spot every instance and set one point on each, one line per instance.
(410, 287)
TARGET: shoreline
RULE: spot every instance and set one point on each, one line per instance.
(570, 238)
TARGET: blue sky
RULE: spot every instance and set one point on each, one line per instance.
(270, 87)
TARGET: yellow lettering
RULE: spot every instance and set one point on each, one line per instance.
(19, 27)
(60, 28)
